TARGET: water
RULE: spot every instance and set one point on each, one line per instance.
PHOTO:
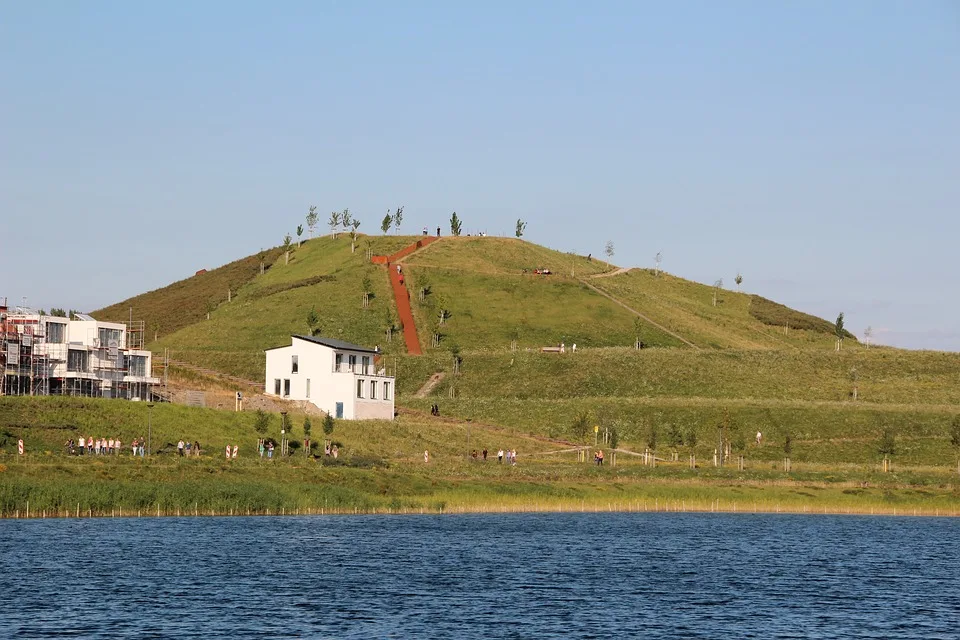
(535, 575)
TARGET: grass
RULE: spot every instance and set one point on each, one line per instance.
(187, 301)
(382, 471)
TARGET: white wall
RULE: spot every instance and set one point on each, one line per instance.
(316, 363)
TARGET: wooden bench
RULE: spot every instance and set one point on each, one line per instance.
(549, 349)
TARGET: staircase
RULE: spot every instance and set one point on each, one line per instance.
(400, 293)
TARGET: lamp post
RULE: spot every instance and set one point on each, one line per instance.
(283, 433)
(149, 421)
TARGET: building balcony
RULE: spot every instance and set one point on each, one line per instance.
(369, 370)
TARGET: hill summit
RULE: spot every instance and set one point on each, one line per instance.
(465, 294)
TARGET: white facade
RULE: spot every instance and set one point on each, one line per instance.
(342, 379)
(54, 355)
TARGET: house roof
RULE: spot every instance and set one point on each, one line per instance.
(333, 343)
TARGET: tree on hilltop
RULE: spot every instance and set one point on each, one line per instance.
(609, 249)
(716, 290)
(334, 222)
(838, 330)
(521, 227)
(398, 219)
(354, 225)
(738, 280)
(261, 257)
(638, 331)
(287, 246)
(386, 222)
(312, 219)
(345, 219)
(299, 235)
(455, 224)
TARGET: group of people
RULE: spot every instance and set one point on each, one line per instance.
(510, 454)
(598, 458)
(187, 449)
(94, 447)
(331, 450)
(265, 447)
(435, 410)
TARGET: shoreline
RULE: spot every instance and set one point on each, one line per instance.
(715, 507)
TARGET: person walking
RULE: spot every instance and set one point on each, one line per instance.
(426, 453)
(500, 456)
(180, 447)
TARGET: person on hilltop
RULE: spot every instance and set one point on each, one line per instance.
(180, 447)
(500, 456)
(438, 232)
(759, 438)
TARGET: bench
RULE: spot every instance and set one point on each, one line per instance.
(549, 349)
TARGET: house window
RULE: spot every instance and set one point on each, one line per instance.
(137, 365)
(353, 364)
(286, 387)
(276, 386)
(308, 387)
(359, 388)
(373, 389)
(338, 362)
(294, 364)
(77, 360)
(366, 365)
(386, 390)
(55, 332)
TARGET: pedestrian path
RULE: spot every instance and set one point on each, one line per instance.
(400, 293)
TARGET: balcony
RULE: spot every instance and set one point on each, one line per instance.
(376, 371)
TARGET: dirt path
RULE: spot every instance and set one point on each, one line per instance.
(430, 385)
(400, 293)
(615, 272)
(640, 315)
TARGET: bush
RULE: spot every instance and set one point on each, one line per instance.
(775, 314)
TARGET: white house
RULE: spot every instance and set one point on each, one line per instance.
(343, 379)
(51, 355)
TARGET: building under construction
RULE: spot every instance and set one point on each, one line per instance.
(77, 356)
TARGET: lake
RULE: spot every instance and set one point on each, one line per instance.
(523, 575)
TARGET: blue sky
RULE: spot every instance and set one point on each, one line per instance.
(812, 146)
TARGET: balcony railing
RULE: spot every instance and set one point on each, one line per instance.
(381, 371)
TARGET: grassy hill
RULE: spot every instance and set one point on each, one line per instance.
(715, 357)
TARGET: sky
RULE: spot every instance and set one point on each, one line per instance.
(813, 147)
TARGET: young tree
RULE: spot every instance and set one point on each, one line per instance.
(716, 290)
(867, 336)
(398, 218)
(389, 322)
(444, 309)
(287, 246)
(638, 331)
(855, 379)
(313, 322)
(838, 330)
(455, 224)
(261, 423)
(299, 235)
(312, 219)
(653, 434)
(328, 424)
(580, 427)
(345, 219)
(354, 225)
(658, 259)
(608, 249)
(887, 445)
(386, 222)
(521, 227)
(334, 222)
(457, 359)
(367, 285)
(738, 280)
(307, 428)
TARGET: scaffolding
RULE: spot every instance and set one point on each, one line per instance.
(105, 364)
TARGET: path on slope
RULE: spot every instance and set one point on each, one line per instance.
(400, 293)
(638, 314)
(615, 272)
